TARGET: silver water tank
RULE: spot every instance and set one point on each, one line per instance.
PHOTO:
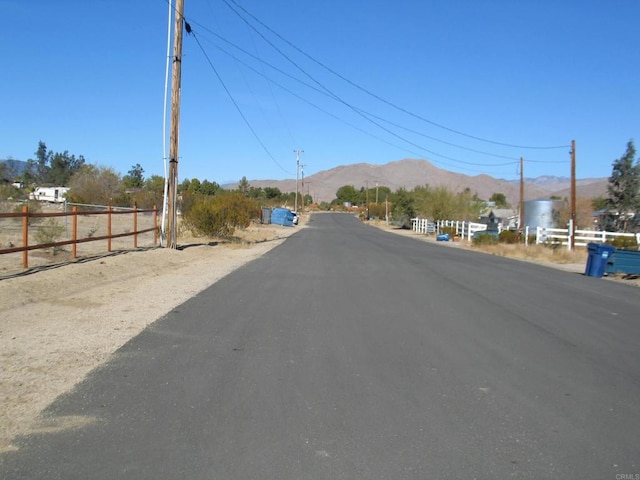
(539, 213)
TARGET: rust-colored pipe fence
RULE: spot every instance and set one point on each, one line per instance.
(74, 240)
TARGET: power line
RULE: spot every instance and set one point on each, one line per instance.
(192, 33)
(358, 111)
(325, 91)
(348, 123)
(377, 97)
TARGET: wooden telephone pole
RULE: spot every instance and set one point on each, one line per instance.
(572, 226)
(172, 191)
(521, 213)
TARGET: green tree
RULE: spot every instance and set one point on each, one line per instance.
(500, 200)
(98, 186)
(134, 177)
(403, 209)
(52, 168)
(150, 195)
(256, 193)
(42, 161)
(307, 199)
(190, 186)
(243, 186)
(272, 193)
(210, 188)
(624, 189)
(599, 203)
(347, 193)
(442, 203)
(196, 187)
(155, 183)
(62, 167)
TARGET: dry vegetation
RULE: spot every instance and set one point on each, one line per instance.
(553, 256)
(538, 253)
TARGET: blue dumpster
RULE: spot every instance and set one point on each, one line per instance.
(597, 259)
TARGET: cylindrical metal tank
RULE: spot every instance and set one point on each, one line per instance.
(539, 213)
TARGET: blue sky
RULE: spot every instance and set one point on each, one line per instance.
(347, 81)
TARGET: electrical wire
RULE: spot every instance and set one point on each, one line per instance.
(358, 111)
(325, 91)
(224, 86)
(348, 105)
(377, 97)
(362, 112)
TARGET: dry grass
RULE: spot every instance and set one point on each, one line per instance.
(542, 253)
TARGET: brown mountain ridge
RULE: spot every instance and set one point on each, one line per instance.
(410, 173)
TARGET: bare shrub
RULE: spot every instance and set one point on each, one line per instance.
(50, 231)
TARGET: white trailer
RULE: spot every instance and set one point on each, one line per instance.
(49, 194)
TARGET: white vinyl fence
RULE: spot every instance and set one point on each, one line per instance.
(543, 235)
(463, 229)
(422, 225)
(561, 236)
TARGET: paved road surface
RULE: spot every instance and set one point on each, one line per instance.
(353, 353)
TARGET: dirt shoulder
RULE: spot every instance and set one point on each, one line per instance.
(574, 263)
(58, 324)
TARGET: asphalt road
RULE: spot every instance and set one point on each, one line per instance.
(352, 353)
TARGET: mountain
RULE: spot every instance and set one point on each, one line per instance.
(589, 187)
(12, 168)
(407, 173)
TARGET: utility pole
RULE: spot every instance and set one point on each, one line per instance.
(520, 223)
(302, 185)
(572, 226)
(297, 152)
(377, 184)
(172, 191)
(367, 199)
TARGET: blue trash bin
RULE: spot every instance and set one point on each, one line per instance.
(597, 259)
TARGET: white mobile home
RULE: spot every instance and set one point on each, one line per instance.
(49, 194)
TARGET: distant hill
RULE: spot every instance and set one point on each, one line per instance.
(597, 188)
(410, 173)
(14, 168)
(561, 186)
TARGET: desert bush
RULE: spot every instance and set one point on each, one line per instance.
(9, 192)
(508, 236)
(220, 215)
(377, 210)
(485, 239)
(50, 231)
(624, 243)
